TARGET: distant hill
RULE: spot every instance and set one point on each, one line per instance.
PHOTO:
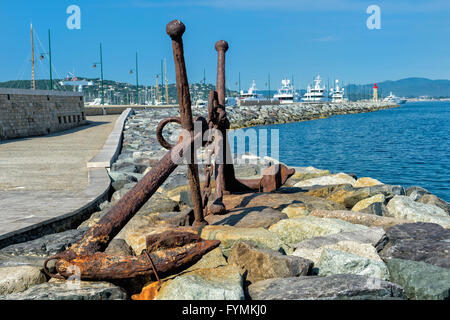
(120, 92)
(409, 87)
(125, 93)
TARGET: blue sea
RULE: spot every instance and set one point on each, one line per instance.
(409, 145)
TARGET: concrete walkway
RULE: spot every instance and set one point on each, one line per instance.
(53, 162)
(45, 183)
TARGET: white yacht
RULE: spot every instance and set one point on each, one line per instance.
(286, 93)
(337, 93)
(251, 94)
(395, 99)
(201, 104)
(316, 93)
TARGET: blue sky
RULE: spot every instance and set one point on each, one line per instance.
(285, 38)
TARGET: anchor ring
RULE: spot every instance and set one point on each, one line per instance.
(163, 142)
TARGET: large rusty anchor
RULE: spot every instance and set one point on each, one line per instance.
(171, 251)
(87, 255)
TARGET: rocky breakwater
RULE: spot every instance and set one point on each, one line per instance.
(323, 235)
(245, 116)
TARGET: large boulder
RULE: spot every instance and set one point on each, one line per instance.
(19, 278)
(435, 201)
(279, 200)
(432, 252)
(363, 250)
(334, 287)
(421, 281)
(418, 231)
(339, 178)
(254, 217)
(373, 236)
(345, 191)
(342, 262)
(259, 264)
(294, 230)
(349, 197)
(361, 218)
(120, 179)
(405, 208)
(229, 236)
(415, 192)
(62, 290)
(420, 241)
(223, 283)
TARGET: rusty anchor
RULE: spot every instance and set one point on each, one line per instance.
(87, 255)
(168, 252)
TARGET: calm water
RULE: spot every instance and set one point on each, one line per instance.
(407, 146)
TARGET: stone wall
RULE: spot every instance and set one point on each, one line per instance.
(25, 113)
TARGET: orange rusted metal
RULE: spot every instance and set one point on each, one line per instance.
(170, 257)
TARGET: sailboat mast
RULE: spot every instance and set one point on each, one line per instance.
(32, 57)
(162, 79)
(157, 89)
(50, 59)
(167, 91)
(137, 80)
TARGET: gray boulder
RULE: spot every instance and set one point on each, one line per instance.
(295, 230)
(259, 264)
(404, 207)
(45, 246)
(124, 166)
(62, 290)
(223, 283)
(417, 231)
(435, 201)
(340, 262)
(374, 236)
(19, 278)
(415, 192)
(120, 179)
(335, 287)
(420, 241)
(432, 252)
(421, 281)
